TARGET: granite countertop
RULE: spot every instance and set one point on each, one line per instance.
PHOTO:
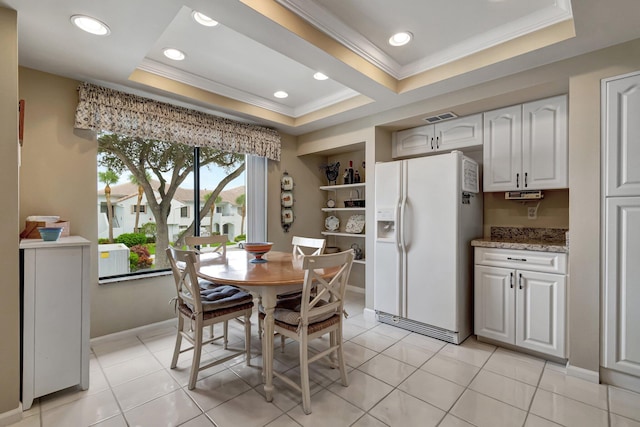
(528, 239)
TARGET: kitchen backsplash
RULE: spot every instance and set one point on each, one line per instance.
(529, 234)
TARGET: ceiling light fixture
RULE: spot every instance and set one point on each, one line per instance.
(90, 25)
(203, 19)
(320, 76)
(175, 54)
(280, 94)
(401, 38)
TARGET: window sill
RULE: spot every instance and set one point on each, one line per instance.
(130, 278)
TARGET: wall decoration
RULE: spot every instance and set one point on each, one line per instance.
(286, 201)
(21, 122)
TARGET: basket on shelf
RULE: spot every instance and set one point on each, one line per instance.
(354, 203)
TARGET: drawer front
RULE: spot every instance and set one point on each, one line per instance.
(549, 262)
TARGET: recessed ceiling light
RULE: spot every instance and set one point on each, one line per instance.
(90, 25)
(203, 19)
(320, 76)
(281, 94)
(400, 39)
(175, 54)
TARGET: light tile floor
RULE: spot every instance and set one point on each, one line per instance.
(397, 378)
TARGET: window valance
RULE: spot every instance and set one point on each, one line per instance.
(103, 109)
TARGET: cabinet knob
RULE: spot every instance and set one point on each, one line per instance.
(520, 280)
(517, 180)
(525, 179)
(511, 280)
(432, 143)
(516, 259)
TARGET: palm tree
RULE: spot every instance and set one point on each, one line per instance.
(135, 181)
(241, 201)
(108, 177)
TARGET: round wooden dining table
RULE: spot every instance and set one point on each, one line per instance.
(281, 273)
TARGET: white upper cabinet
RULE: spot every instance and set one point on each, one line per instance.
(502, 151)
(459, 133)
(526, 146)
(621, 111)
(413, 142)
(456, 134)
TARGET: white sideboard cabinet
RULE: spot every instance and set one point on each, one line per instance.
(55, 313)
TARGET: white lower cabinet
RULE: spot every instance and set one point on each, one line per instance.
(55, 345)
(518, 306)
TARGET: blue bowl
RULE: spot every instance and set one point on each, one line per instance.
(50, 234)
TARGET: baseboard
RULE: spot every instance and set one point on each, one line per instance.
(369, 314)
(618, 379)
(134, 331)
(585, 374)
(12, 416)
(355, 289)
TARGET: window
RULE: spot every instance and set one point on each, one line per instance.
(139, 235)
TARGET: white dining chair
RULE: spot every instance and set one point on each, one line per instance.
(316, 316)
(199, 306)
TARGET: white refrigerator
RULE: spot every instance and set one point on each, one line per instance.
(428, 210)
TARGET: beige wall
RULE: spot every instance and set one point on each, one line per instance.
(307, 176)
(553, 211)
(9, 226)
(58, 177)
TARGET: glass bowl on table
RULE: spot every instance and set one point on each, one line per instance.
(50, 234)
(258, 249)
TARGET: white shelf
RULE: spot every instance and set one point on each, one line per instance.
(336, 233)
(341, 209)
(342, 186)
(359, 261)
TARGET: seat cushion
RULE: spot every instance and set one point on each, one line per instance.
(288, 311)
(222, 296)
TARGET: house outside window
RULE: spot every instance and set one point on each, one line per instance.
(136, 208)
(184, 212)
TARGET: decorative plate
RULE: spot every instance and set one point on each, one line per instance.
(331, 203)
(355, 224)
(332, 223)
(286, 199)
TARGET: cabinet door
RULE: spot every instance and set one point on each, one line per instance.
(544, 144)
(459, 133)
(412, 142)
(494, 303)
(622, 285)
(502, 151)
(540, 308)
(622, 136)
(58, 318)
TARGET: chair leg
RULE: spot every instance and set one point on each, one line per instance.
(197, 351)
(176, 350)
(341, 363)
(333, 342)
(282, 338)
(304, 371)
(225, 334)
(247, 336)
(259, 320)
(211, 333)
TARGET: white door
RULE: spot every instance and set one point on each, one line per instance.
(622, 285)
(388, 279)
(544, 144)
(430, 231)
(459, 133)
(622, 136)
(412, 142)
(540, 312)
(494, 303)
(502, 150)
